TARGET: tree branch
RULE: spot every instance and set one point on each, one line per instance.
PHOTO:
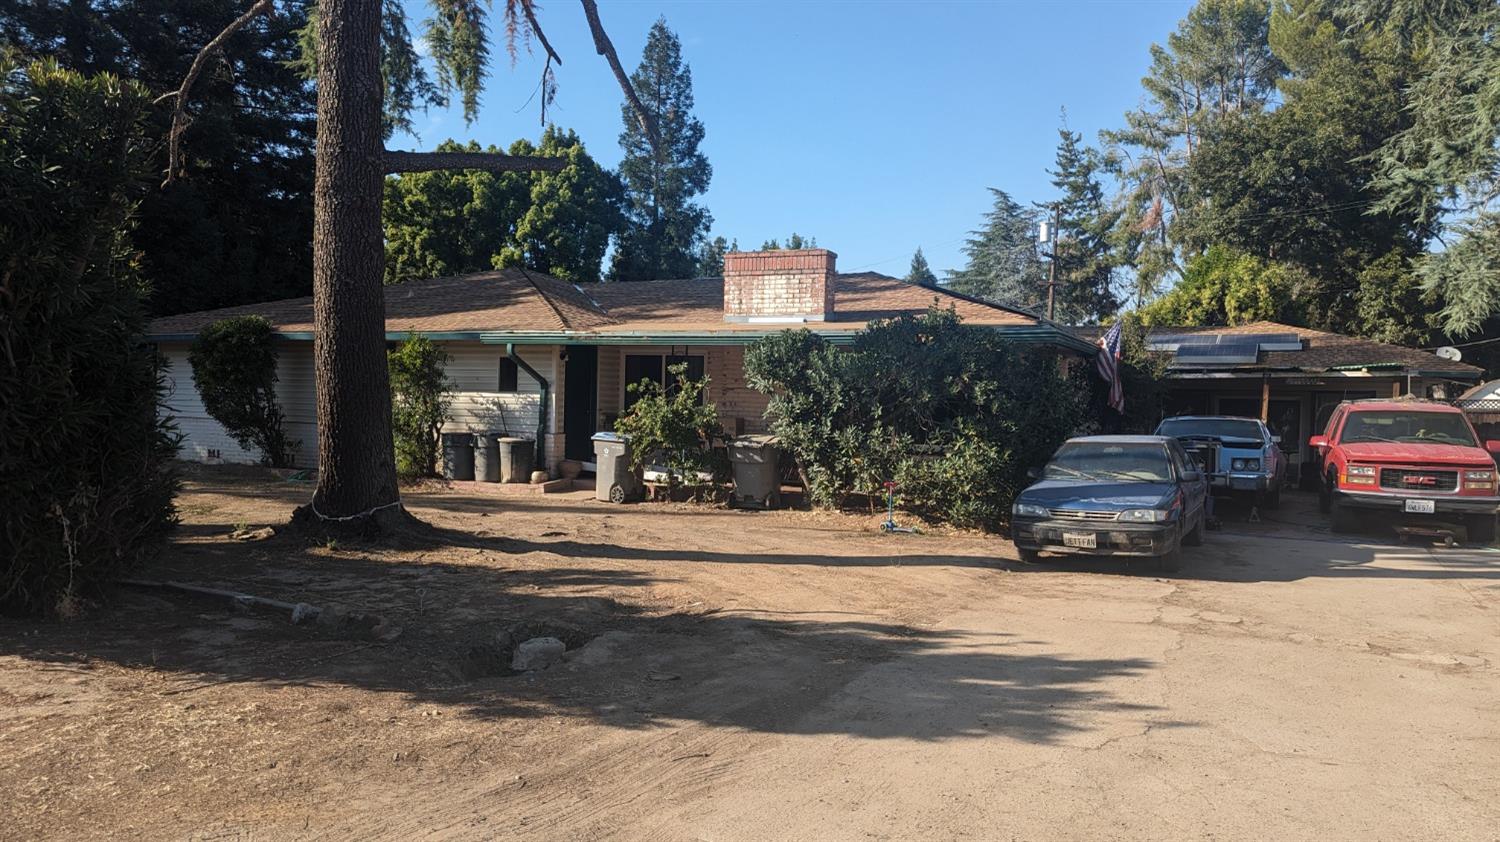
(399, 162)
(179, 110)
(607, 49)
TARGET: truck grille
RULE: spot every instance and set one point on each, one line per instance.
(1416, 479)
(1075, 514)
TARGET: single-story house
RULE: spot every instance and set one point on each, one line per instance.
(540, 358)
(1292, 377)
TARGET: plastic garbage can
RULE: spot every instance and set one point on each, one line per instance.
(487, 456)
(615, 479)
(516, 456)
(458, 456)
(756, 461)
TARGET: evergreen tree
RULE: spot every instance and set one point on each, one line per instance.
(1003, 264)
(237, 228)
(665, 231)
(1081, 246)
(795, 241)
(711, 263)
(920, 272)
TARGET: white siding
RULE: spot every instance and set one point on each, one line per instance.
(205, 440)
(478, 405)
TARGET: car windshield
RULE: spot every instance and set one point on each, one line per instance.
(1143, 462)
(1222, 428)
(1395, 426)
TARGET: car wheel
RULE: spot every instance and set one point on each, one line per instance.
(1481, 529)
(1170, 561)
(1325, 495)
(1195, 537)
(1344, 518)
(1028, 556)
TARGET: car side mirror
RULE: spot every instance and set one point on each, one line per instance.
(1492, 446)
(1192, 476)
(1033, 473)
(1317, 441)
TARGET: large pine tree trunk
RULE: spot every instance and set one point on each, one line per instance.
(356, 463)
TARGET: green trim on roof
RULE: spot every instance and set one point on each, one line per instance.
(1363, 366)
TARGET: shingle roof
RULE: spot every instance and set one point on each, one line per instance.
(518, 300)
(1321, 350)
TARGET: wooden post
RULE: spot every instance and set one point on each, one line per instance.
(1265, 398)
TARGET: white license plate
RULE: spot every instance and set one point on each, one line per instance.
(1081, 540)
(1421, 507)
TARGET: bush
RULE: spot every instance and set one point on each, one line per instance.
(675, 425)
(85, 484)
(953, 414)
(234, 368)
(420, 396)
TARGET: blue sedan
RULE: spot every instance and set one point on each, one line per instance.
(1114, 495)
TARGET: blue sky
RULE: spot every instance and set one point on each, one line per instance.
(875, 127)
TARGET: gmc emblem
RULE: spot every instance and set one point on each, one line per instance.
(1420, 480)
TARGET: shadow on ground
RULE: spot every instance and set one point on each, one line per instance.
(453, 595)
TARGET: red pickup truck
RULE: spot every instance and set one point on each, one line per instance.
(1407, 457)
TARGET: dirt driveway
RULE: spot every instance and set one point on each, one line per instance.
(761, 675)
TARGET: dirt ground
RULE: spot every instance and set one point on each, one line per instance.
(777, 675)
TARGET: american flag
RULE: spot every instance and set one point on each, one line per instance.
(1108, 362)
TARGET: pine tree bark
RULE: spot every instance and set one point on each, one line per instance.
(356, 461)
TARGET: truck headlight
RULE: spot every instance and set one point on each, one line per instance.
(1359, 475)
(1029, 510)
(1479, 480)
(1143, 515)
(1245, 465)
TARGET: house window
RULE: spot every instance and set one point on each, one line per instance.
(654, 367)
(509, 374)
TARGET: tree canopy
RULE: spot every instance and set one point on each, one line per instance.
(1003, 264)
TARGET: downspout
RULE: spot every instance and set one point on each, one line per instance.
(541, 412)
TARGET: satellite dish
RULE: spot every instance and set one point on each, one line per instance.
(1448, 352)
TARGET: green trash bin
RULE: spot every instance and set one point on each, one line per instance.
(458, 456)
(516, 456)
(487, 456)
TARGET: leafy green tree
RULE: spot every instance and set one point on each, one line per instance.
(237, 226)
(795, 241)
(665, 231)
(450, 222)
(1393, 306)
(234, 371)
(421, 394)
(675, 425)
(1082, 247)
(1225, 287)
(1445, 165)
(920, 273)
(1003, 264)
(1217, 63)
(85, 480)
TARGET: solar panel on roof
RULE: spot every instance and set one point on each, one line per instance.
(1218, 354)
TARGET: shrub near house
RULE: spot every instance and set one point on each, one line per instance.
(954, 414)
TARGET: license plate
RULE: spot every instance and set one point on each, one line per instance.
(1421, 507)
(1081, 540)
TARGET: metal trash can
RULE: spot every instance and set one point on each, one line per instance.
(458, 456)
(487, 456)
(516, 456)
(757, 472)
(614, 478)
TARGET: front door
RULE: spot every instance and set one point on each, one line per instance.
(580, 402)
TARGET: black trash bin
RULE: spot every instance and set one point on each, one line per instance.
(458, 456)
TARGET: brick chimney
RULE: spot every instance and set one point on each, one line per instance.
(779, 286)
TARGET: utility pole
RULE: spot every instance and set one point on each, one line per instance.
(1051, 239)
